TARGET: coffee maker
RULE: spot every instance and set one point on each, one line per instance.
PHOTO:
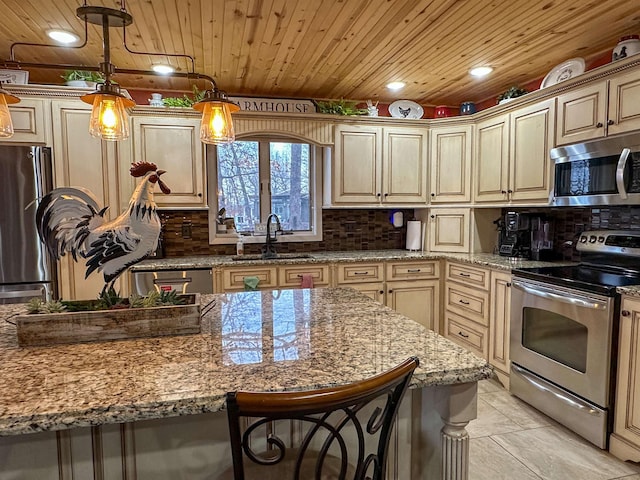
(515, 235)
(541, 239)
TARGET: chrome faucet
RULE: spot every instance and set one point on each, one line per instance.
(269, 250)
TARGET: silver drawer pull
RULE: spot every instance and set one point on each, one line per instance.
(464, 274)
(464, 302)
(463, 335)
(22, 293)
(164, 281)
(413, 270)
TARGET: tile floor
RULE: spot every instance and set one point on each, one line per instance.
(512, 441)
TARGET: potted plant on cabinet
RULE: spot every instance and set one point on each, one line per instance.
(513, 92)
(82, 78)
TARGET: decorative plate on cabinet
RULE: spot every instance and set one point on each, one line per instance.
(564, 71)
(405, 109)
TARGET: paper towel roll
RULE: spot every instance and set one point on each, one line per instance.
(414, 235)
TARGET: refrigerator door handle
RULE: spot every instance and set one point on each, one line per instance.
(23, 293)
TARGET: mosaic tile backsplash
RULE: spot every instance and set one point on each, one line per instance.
(187, 232)
(570, 221)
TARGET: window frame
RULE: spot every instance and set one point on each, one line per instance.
(316, 154)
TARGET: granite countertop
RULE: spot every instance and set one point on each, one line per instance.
(632, 291)
(209, 261)
(269, 340)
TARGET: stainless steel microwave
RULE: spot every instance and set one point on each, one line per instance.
(599, 172)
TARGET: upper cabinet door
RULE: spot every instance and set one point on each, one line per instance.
(492, 160)
(404, 166)
(174, 145)
(357, 167)
(624, 103)
(451, 164)
(582, 114)
(30, 119)
(531, 138)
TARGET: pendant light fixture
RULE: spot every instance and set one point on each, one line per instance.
(6, 124)
(216, 126)
(109, 117)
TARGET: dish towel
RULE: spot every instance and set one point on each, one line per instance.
(307, 280)
(250, 283)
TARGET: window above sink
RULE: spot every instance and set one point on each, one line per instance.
(255, 176)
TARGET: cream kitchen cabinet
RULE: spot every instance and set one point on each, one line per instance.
(31, 119)
(520, 174)
(231, 279)
(173, 144)
(499, 321)
(491, 180)
(605, 108)
(103, 168)
(466, 304)
(368, 278)
(413, 290)
(624, 442)
(450, 164)
(379, 166)
(448, 230)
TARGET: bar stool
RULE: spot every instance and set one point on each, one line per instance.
(334, 443)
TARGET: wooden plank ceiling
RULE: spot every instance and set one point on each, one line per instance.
(333, 48)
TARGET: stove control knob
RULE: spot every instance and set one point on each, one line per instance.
(592, 239)
(600, 239)
(583, 239)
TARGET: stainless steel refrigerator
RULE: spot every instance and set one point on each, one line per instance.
(26, 268)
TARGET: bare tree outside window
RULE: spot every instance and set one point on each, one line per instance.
(287, 166)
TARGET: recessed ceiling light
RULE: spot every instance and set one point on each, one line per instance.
(163, 69)
(63, 37)
(395, 85)
(481, 71)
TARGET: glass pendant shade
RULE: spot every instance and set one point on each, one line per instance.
(109, 117)
(217, 126)
(6, 124)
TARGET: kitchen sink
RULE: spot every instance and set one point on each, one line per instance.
(279, 256)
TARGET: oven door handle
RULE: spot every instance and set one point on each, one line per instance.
(556, 392)
(622, 163)
(573, 300)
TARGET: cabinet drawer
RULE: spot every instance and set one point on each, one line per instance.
(233, 278)
(360, 272)
(412, 270)
(467, 334)
(468, 275)
(292, 276)
(468, 302)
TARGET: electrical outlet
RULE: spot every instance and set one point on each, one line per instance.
(349, 226)
(186, 230)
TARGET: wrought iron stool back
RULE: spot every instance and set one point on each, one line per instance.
(336, 444)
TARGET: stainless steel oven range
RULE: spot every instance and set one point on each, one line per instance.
(564, 327)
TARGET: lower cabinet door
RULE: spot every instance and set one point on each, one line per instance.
(371, 290)
(418, 300)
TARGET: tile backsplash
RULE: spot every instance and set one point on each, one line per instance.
(569, 221)
(187, 233)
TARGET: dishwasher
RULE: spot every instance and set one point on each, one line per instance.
(190, 280)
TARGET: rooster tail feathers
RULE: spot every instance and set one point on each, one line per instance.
(64, 219)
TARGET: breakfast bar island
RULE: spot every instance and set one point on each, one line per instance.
(153, 408)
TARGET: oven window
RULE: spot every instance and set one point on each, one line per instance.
(556, 337)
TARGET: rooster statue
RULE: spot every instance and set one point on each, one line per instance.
(69, 219)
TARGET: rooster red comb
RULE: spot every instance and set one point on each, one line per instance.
(138, 169)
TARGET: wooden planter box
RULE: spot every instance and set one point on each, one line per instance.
(93, 326)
